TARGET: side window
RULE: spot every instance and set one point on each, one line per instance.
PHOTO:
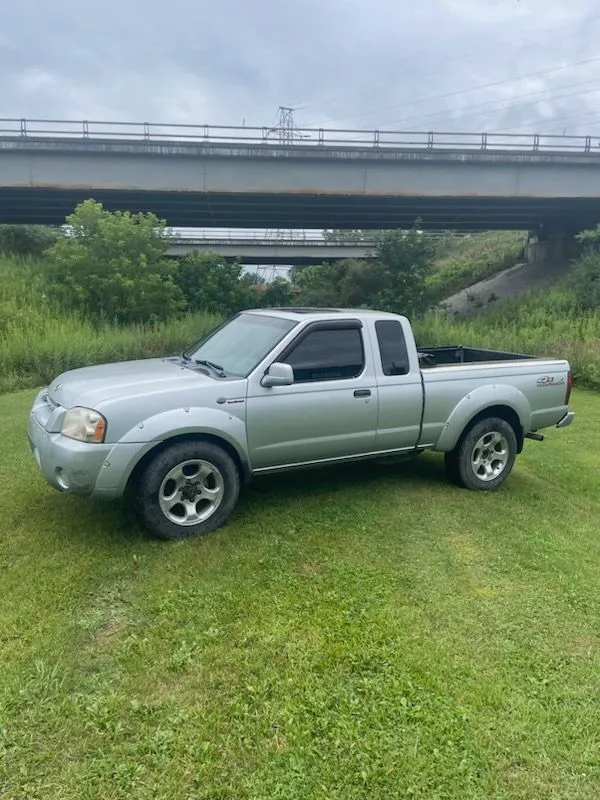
(392, 347)
(328, 355)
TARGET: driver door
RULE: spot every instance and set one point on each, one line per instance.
(328, 413)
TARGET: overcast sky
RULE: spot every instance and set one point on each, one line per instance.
(434, 64)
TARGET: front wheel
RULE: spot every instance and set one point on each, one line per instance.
(485, 456)
(188, 489)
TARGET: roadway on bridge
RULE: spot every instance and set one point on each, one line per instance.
(316, 184)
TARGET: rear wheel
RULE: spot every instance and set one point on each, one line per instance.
(189, 489)
(485, 456)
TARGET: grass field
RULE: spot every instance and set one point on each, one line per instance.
(370, 632)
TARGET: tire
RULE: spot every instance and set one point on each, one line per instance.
(188, 489)
(484, 457)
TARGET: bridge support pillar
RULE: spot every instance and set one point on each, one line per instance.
(555, 247)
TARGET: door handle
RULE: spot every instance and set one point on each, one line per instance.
(362, 393)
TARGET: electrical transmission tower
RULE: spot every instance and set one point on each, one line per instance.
(286, 125)
(286, 132)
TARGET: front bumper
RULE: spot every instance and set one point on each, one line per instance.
(66, 464)
(566, 420)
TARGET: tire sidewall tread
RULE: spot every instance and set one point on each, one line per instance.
(461, 463)
(151, 479)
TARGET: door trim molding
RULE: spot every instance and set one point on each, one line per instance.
(341, 459)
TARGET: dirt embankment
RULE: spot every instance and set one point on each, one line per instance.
(504, 285)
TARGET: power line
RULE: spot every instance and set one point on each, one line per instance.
(566, 117)
(492, 106)
(456, 93)
(561, 29)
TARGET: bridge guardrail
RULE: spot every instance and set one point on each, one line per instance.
(286, 238)
(298, 137)
(257, 241)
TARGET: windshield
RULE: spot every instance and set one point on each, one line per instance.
(242, 343)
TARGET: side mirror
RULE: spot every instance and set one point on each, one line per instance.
(278, 374)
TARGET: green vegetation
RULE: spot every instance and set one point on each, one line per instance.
(107, 292)
(412, 271)
(461, 262)
(83, 303)
(214, 285)
(398, 276)
(380, 635)
(584, 281)
(112, 266)
(374, 634)
(27, 240)
(37, 341)
(563, 321)
(546, 325)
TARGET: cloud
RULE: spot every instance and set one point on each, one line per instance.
(470, 64)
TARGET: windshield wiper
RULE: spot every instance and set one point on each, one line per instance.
(216, 367)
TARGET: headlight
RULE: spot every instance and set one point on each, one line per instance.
(84, 424)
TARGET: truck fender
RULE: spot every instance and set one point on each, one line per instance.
(181, 421)
(480, 399)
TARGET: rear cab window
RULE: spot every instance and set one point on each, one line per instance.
(392, 347)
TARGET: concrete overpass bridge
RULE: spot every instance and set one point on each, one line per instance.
(304, 247)
(206, 176)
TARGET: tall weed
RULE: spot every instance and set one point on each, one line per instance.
(545, 324)
(37, 342)
(467, 261)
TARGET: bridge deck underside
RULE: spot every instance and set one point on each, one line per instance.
(48, 205)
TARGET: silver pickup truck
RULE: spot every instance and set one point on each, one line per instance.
(280, 389)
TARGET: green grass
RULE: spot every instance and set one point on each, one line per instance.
(32, 352)
(370, 632)
(465, 261)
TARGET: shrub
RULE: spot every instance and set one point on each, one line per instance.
(27, 240)
(112, 266)
(210, 283)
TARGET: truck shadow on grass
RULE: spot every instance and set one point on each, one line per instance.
(310, 493)
(101, 522)
(426, 469)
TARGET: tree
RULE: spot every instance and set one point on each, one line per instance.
(406, 260)
(112, 265)
(319, 284)
(278, 293)
(590, 238)
(394, 281)
(360, 282)
(211, 283)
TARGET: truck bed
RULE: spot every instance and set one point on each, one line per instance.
(430, 357)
